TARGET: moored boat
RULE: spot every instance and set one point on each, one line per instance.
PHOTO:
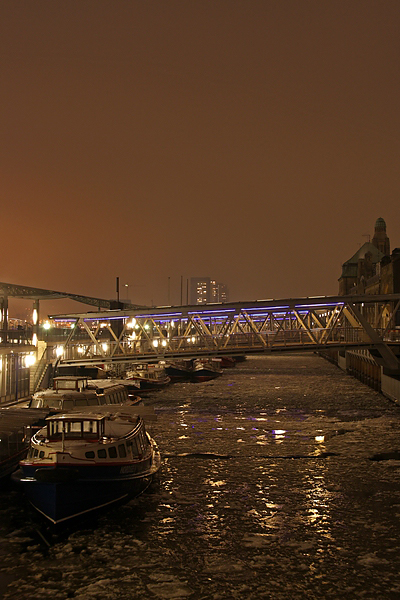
(227, 361)
(179, 370)
(149, 376)
(16, 428)
(81, 462)
(205, 369)
(70, 392)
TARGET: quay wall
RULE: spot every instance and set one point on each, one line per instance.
(390, 387)
(360, 364)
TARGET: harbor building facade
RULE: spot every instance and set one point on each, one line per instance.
(373, 269)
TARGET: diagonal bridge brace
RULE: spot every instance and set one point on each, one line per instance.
(389, 358)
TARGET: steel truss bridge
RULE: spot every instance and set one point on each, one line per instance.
(171, 332)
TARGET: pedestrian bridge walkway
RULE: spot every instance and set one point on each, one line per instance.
(295, 324)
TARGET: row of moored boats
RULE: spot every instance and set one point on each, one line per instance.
(83, 445)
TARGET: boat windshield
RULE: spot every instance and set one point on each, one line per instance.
(41, 402)
(73, 430)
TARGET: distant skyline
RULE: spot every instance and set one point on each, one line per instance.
(254, 142)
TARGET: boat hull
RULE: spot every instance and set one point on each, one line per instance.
(62, 501)
(178, 373)
(64, 493)
(10, 464)
(149, 385)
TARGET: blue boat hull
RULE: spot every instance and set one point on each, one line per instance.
(61, 501)
(60, 494)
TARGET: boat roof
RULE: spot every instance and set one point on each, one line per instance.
(107, 383)
(76, 416)
(71, 378)
(109, 411)
(15, 419)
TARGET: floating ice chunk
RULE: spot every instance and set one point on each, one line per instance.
(369, 560)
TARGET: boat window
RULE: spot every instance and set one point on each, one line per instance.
(74, 427)
(139, 446)
(41, 454)
(122, 451)
(92, 402)
(54, 429)
(143, 439)
(35, 452)
(36, 403)
(90, 454)
(68, 404)
(102, 399)
(52, 403)
(102, 453)
(89, 426)
(81, 402)
(112, 452)
(129, 448)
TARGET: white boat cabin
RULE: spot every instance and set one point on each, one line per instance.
(90, 436)
(71, 392)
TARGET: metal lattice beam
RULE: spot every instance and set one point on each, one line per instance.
(233, 328)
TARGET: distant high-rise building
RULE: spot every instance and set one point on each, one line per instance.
(205, 289)
(219, 292)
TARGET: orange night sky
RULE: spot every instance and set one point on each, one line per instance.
(253, 141)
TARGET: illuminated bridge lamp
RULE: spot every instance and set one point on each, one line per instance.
(59, 351)
(34, 339)
(46, 325)
(104, 347)
(155, 343)
(131, 324)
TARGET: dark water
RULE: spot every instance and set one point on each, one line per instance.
(268, 490)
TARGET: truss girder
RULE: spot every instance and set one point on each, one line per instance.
(287, 325)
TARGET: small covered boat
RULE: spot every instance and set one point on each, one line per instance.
(227, 361)
(205, 369)
(149, 376)
(179, 370)
(81, 462)
(70, 392)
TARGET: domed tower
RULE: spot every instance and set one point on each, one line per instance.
(380, 239)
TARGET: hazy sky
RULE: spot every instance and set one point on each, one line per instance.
(252, 141)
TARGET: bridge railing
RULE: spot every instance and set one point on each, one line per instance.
(189, 345)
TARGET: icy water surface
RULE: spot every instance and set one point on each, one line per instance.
(279, 480)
